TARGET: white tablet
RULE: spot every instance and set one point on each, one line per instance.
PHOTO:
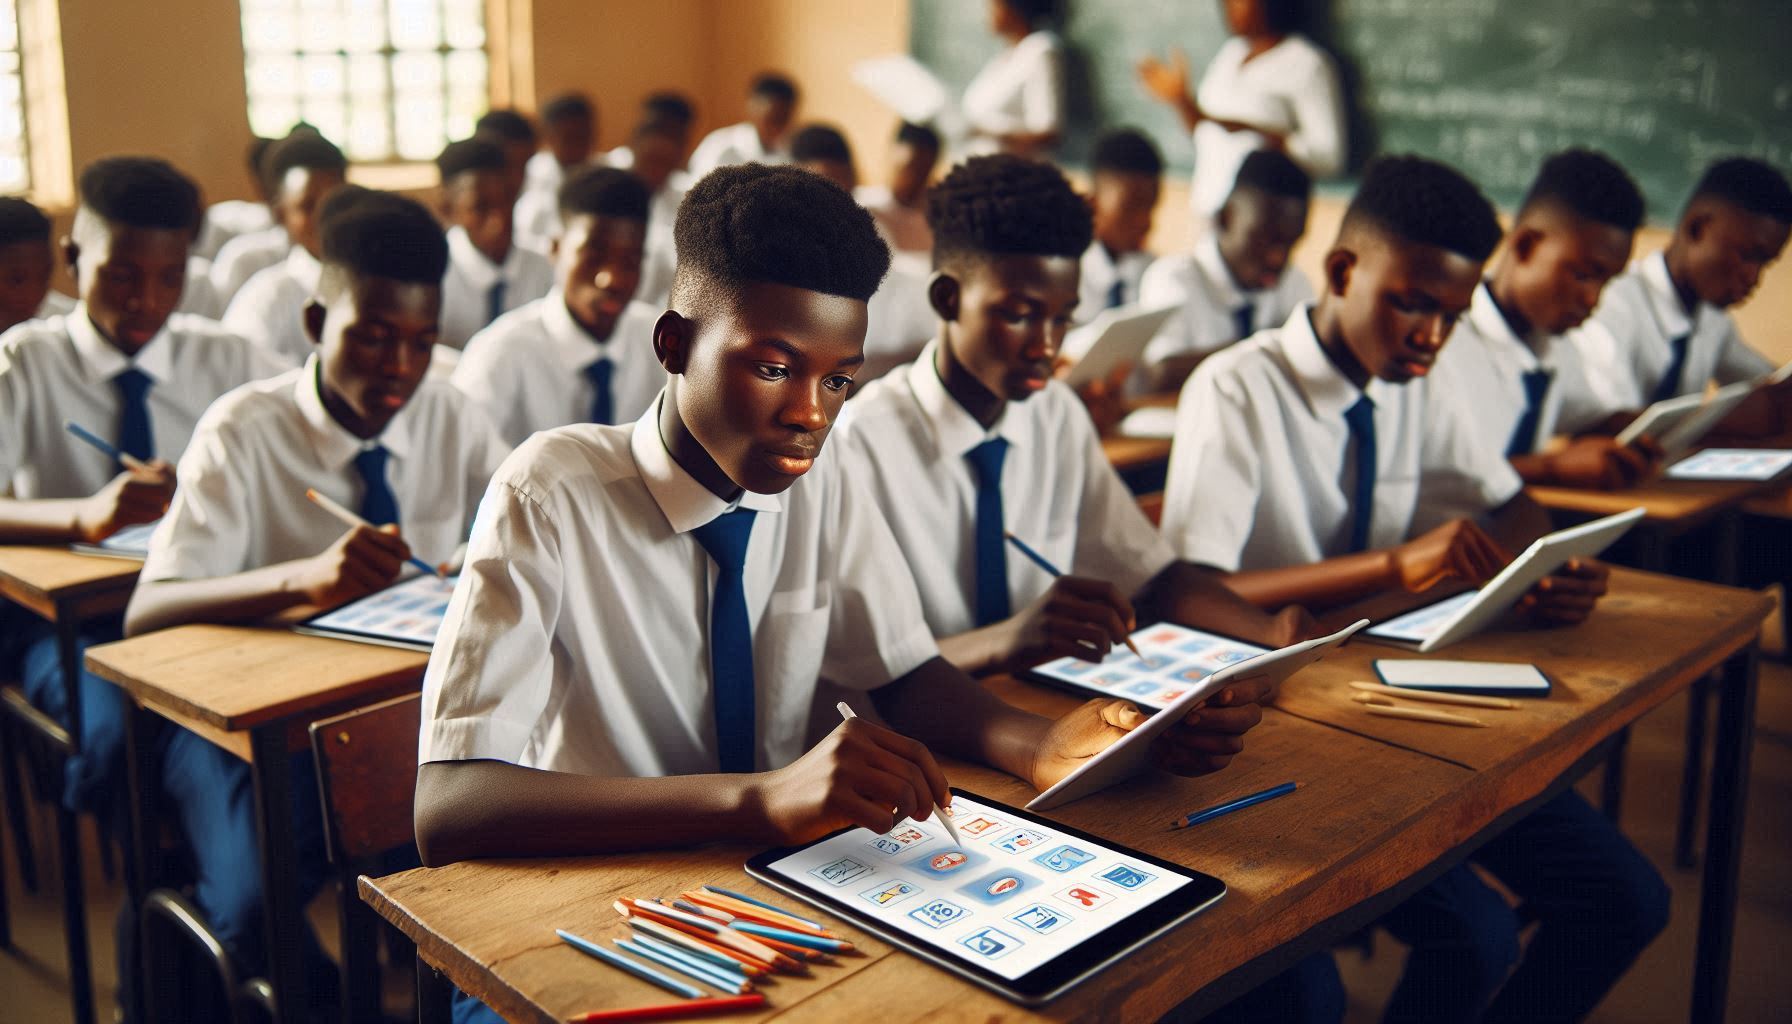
(1114, 337)
(407, 614)
(1661, 417)
(1444, 622)
(1680, 438)
(1747, 464)
(1131, 753)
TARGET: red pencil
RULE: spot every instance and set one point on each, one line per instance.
(672, 1011)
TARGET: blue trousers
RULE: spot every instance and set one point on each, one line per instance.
(1597, 901)
(1310, 992)
(95, 775)
(467, 1010)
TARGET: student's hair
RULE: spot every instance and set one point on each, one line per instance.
(505, 125)
(1281, 16)
(141, 192)
(651, 126)
(470, 156)
(668, 106)
(773, 86)
(604, 192)
(256, 154)
(1425, 202)
(1127, 151)
(568, 106)
(340, 200)
(1588, 184)
(1006, 205)
(1033, 12)
(819, 142)
(303, 148)
(1275, 174)
(1754, 185)
(22, 221)
(778, 225)
(917, 135)
(379, 234)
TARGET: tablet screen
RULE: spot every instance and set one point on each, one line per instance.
(1023, 899)
(409, 612)
(1176, 658)
(1732, 464)
(1421, 624)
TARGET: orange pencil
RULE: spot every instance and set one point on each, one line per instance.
(752, 913)
(752, 968)
(719, 936)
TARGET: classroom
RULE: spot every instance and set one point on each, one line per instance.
(1016, 510)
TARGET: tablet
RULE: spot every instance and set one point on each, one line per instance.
(1680, 438)
(406, 614)
(1732, 464)
(1176, 659)
(1484, 677)
(131, 542)
(1131, 753)
(1454, 618)
(1114, 337)
(1027, 907)
(1660, 417)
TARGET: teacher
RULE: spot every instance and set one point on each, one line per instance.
(1269, 87)
(1016, 103)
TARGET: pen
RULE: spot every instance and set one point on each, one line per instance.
(724, 1004)
(642, 971)
(1210, 813)
(125, 459)
(1038, 559)
(846, 713)
(350, 519)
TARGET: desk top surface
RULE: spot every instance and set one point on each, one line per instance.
(37, 575)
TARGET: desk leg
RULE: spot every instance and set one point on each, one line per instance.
(141, 783)
(1611, 782)
(279, 873)
(1723, 837)
(1692, 772)
(68, 832)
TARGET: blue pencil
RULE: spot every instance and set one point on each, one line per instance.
(125, 459)
(688, 968)
(815, 942)
(642, 971)
(1038, 559)
(744, 898)
(1235, 805)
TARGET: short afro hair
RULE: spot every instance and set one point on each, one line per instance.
(604, 192)
(140, 192)
(753, 223)
(1127, 151)
(820, 142)
(652, 126)
(919, 136)
(1033, 12)
(506, 126)
(568, 106)
(470, 156)
(379, 234)
(1281, 17)
(341, 200)
(774, 87)
(1005, 205)
(303, 148)
(1588, 184)
(1426, 202)
(22, 221)
(1754, 185)
(670, 107)
(1274, 174)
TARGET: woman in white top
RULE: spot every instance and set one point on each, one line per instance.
(1269, 87)
(1016, 103)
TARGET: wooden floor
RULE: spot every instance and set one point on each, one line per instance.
(34, 984)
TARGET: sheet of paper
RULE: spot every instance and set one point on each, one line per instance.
(1732, 464)
(1176, 658)
(130, 542)
(1016, 896)
(410, 611)
(905, 85)
(1422, 624)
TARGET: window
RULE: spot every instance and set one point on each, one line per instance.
(15, 162)
(383, 79)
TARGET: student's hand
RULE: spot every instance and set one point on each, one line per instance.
(1567, 597)
(861, 774)
(1076, 616)
(132, 497)
(1166, 80)
(363, 560)
(1602, 463)
(1457, 550)
(1106, 399)
(1205, 741)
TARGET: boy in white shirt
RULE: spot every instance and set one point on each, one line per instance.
(900, 208)
(488, 274)
(25, 265)
(1126, 174)
(569, 124)
(584, 352)
(226, 219)
(124, 366)
(1237, 279)
(655, 151)
(239, 544)
(301, 170)
(270, 310)
(515, 134)
(1304, 460)
(761, 138)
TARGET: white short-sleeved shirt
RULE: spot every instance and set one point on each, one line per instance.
(60, 370)
(903, 227)
(54, 304)
(1262, 466)
(660, 257)
(243, 256)
(466, 287)
(899, 319)
(906, 438)
(1628, 344)
(1021, 89)
(197, 296)
(1291, 88)
(228, 219)
(241, 503)
(527, 370)
(270, 309)
(1101, 269)
(734, 144)
(1201, 283)
(578, 638)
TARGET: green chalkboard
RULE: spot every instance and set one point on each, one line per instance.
(1491, 86)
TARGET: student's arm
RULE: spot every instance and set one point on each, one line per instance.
(1595, 462)
(128, 499)
(1198, 596)
(1457, 550)
(1169, 82)
(1075, 617)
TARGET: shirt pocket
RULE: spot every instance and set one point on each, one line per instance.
(788, 650)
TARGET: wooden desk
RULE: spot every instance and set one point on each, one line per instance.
(252, 691)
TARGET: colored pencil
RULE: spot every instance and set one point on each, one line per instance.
(711, 932)
(1435, 696)
(744, 898)
(1038, 559)
(350, 519)
(802, 939)
(642, 971)
(1217, 810)
(697, 908)
(709, 950)
(692, 969)
(123, 458)
(939, 814)
(1417, 715)
(730, 971)
(696, 1007)
(747, 912)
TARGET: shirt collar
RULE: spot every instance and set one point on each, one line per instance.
(1328, 392)
(304, 268)
(1219, 276)
(101, 360)
(483, 273)
(571, 344)
(1664, 300)
(1489, 322)
(685, 503)
(955, 431)
(334, 445)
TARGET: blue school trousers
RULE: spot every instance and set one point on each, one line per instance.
(1597, 901)
(95, 775)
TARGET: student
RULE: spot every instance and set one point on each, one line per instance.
(240, 543)
(1264, 484)
(1015, 104)
(673, 115)
(300, 170)
(1237, 279)
(515, 133)
(1509, 365)
(25, 265)
(900, 208)
(125, 366)
(232, 217)
(1127, 179)
(270, 310)
(488, 275)
(569, 127)
(761, 138)
(655, 152)
(584, 352)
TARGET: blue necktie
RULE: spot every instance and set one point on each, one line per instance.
(1117, 293)
(603, 401)
(1524, 436)
(134, 434)
(992, 556)
(1361, 418)
(1244, 321)
(1670, 381)
(731, 638)
(378, 505)
(494, 302)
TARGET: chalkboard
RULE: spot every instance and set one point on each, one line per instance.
(1491, 86)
